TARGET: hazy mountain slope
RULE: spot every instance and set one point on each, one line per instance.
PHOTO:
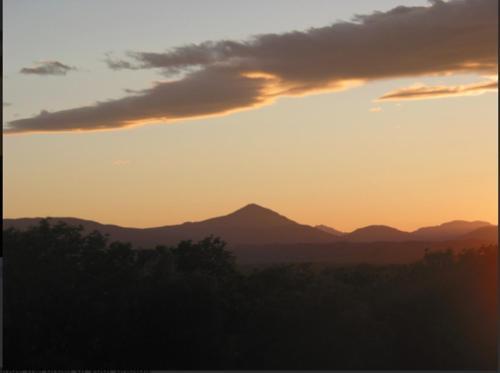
(251, 224)
(137, 236)
(327, 229)
(259, 229)
(377, 233)
(448, 230)
(488, 234)
(259, 235)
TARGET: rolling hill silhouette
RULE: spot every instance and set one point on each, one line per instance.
(487, 234)
(377, 233)
(327, 229)
(259, 235)
(251, 224)
(448, 230)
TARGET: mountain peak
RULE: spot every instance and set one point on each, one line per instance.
(256, 214)
(252, 206)
(256, 224)
(255, 210)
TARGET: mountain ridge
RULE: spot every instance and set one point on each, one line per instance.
(449, 229)
(328, 229)
(251, 224)
(374, 233)
(254, 224)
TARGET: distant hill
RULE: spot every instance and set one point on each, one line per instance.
(259, 235)
(447, 231)
(453, 230)
(488, 234)
(327, 229)
(251, 224)
(377, 233)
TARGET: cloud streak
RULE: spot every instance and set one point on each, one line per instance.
(218, 77)
(208, 92)
(423, 92)
(47, 68)
(120, 162)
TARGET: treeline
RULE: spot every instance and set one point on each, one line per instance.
(76, 301)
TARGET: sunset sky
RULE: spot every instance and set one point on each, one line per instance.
(149, 113)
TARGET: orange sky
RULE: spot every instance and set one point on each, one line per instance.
(408, 145)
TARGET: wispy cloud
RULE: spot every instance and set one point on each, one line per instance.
(423, 92)
(47, 68)
(376, 109)
(219, 77)
(120, 162)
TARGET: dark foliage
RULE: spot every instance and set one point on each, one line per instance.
(75, 301)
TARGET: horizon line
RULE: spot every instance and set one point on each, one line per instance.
(241, 208)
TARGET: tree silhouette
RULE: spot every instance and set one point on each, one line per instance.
(75, 300)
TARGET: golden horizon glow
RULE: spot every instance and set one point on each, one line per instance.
(403, 167)
(288, 119)
(407, 228)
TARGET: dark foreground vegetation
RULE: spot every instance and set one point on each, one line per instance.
(75, 301)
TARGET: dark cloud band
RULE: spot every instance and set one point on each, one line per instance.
(208, 92)
(48, 68)
(219, 77)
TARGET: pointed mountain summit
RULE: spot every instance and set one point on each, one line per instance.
(253, 224)
(252, 215)
(256, 225)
